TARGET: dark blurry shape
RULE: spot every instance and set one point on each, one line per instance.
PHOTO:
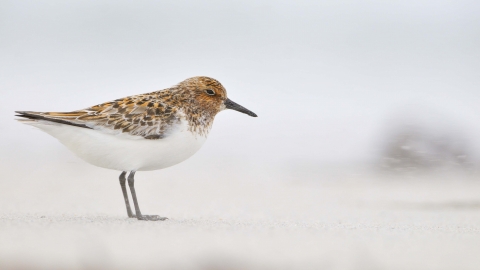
(424, 147)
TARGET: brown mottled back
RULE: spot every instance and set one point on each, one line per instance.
(196, 100)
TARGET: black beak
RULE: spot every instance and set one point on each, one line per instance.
(234, 106)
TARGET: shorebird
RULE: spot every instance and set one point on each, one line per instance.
(144, 132)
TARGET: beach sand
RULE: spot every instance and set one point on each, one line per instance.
(74, 218)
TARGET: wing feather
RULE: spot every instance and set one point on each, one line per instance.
(142, 115)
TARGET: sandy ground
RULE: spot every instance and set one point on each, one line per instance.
(74, 218)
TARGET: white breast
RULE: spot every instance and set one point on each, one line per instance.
(124, 152)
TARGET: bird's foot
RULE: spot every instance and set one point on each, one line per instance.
(151, 217)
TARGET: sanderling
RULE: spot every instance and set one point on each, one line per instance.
(140, 133)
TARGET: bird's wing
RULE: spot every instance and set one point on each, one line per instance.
(141, 115)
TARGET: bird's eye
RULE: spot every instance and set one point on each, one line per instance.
(210, 92)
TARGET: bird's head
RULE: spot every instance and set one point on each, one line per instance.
(210, 95)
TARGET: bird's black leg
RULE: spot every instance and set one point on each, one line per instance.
(131, 182)
(125, 195)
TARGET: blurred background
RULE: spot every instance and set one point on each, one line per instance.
(368, 116)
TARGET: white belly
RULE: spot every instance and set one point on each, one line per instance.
(123, 152)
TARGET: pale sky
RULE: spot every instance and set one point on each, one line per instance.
(325, 77)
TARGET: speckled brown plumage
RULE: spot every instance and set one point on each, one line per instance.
(150, 115)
